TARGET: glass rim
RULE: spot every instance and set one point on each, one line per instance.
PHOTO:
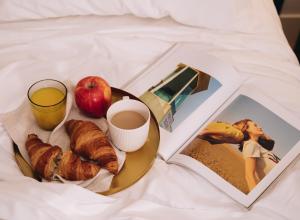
(64, 98)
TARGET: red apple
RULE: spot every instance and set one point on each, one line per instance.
(93, 96)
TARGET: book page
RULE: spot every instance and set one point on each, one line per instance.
(183, 89)
(244, 146)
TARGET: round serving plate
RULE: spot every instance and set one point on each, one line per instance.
(137, 163)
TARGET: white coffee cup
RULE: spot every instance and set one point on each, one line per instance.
(128, 140)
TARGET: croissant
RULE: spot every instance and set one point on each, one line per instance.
(221, 132)
(88, 141)
(43, 157)
(71, 167)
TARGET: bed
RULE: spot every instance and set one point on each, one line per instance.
(118, 40)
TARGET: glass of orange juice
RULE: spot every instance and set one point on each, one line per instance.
(48, 102)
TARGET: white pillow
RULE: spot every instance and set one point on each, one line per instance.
(213, 14)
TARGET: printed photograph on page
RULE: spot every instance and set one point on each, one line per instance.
(243, 143)
(176, 96)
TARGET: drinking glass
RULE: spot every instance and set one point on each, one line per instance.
(48, 102)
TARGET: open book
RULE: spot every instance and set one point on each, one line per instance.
(213, 122)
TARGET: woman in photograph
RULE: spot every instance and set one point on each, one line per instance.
(256, 148)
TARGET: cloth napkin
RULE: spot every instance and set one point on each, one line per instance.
(20, 122)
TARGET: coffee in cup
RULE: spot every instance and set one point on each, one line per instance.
(128, 120)
(128, 124)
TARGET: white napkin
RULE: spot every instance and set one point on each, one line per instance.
(20, 122)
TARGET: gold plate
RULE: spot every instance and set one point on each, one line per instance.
(136, 165)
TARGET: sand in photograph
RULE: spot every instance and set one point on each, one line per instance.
(224, 159)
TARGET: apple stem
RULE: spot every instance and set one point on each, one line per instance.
(91, 85)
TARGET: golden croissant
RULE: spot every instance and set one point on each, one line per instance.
(88, 141)
(221, 132)
(43, 156)
(71, 167)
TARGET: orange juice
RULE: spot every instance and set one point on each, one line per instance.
(48, 106)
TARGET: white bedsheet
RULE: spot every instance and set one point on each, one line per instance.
(119, 48)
